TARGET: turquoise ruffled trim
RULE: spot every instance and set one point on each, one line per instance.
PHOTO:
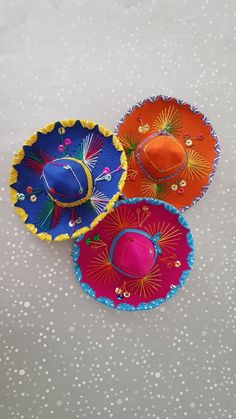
(154, 303)
(88, 289)
(106, 301)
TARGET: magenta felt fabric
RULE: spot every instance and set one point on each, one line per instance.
(134, 254)
(98, 271)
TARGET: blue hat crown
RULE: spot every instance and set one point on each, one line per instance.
(67, 181)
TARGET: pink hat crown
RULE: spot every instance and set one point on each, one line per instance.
(133, 252)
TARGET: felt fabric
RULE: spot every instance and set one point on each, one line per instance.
(161, 157)
(56, 164)
(153, 279)
(132, 252)
(66, 180)
(172, 151)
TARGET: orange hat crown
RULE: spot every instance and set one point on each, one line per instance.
(161, 156)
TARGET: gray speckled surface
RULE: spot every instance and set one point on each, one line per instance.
(62, 355)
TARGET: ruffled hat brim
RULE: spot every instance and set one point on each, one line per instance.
(195, 133)
(41, 216)
(97, 275)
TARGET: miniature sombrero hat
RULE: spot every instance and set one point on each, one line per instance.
(172, 151)
(137, 257)
(66, 177)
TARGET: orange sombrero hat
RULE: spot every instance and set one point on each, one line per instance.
(172, 151)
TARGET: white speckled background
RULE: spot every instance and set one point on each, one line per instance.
(62, 355)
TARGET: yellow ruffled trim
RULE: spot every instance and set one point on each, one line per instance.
(22, 214)
(68, 122)
(47, 128)
(20, 155)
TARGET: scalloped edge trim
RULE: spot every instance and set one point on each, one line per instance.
(205, 121)
(154, 303)
(30, 141)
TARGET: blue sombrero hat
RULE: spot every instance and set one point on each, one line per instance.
(66, 177)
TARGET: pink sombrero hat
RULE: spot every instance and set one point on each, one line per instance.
(137, 257)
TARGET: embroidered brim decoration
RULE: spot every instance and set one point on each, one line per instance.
(172, 151)
(137, 257)
(66, 178)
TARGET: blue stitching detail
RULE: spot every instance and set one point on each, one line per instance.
(133, 230)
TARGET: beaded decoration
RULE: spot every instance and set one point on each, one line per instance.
(192, 130)
(98, 275)
(49, 213)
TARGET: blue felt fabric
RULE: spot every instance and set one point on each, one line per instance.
(63, 175)
(108, 157)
